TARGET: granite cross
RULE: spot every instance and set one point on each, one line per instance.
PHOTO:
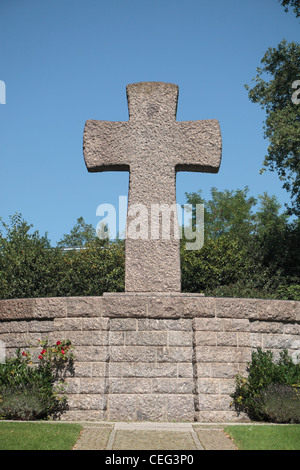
(152, 146)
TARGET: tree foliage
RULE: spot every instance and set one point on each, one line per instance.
(250, 249)
(80, 234)
(30, 267)
(295, 4)
(282, 125)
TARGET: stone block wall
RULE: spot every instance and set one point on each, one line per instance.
(153, 357)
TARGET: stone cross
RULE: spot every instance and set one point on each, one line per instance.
(152, 146)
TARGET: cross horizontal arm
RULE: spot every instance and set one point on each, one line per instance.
(106, 146)
(199, 146)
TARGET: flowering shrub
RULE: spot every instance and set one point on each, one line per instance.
(35, 390)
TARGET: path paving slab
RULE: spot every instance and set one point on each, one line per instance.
(153, 440)
(152, 436)
(214, 439)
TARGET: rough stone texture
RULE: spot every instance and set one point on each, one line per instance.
(153, 357)
(152, 146)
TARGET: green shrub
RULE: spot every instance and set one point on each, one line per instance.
(288, 292)
(28, 403)
(263, 371)
(279, 403)
(31, 391)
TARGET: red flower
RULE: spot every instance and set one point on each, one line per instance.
(62, 351)
(24, 353)
(40, 357)
(43, 352)
(58, 343)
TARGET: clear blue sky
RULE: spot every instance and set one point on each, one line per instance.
(66, 61)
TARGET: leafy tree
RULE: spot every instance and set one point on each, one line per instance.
(80, 234)
(28, 265)
(246, 253)
(250, 250)
(295, 4)
(282, 124)
(99, 268)
(226, 213)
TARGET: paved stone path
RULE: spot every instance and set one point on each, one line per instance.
(152, 436)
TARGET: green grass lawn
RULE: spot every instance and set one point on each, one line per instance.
(265, 437)
(38, 436)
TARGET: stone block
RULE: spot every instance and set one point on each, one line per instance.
(173, 386)
(150, 324)
(72, 385)
(17, 309)
(122, 407)
(95, 323)
(236, 308)
(259, 326)
(208, 386)
(209, 402)
(84, 306)
(202, 369)
(83, 369)
(174, 354)
(17, 340)
(291, 329)
(198, 307)
(121, 306)
(86, 415)
(132, 353)
(165, 307)
(130, 385)
(149, 370)
(68, 324)
(222, 354)
(277, 310)
(114, 369)
(99, 369)
(91, 353)
(278, 341)
(235, 324)
(208, 324)
(185, 370)
(180, 408)
(42, 326)
(205, 338)
(226, 339)
(79, 338)
(151, 408)
(86, 402)
(13, 327)
(115, 338)
(50, 307)
(145, 338)
(244, 339)
(180, 338)
(256, 341)
(227, 386)
(92, 385)
(123, 324)
(211, 416)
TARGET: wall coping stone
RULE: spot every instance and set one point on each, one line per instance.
(150, 305)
